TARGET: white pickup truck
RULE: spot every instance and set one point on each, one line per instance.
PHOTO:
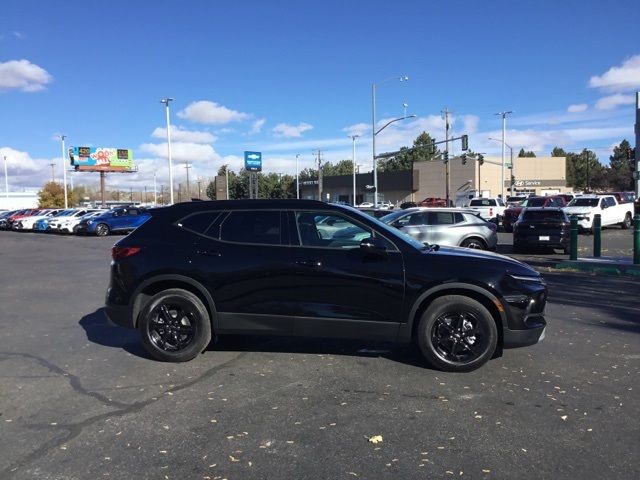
(491, 209)
(611, 212)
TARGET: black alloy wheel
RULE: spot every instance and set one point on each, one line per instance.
(457, 334)
(175, 326)
(102, 230)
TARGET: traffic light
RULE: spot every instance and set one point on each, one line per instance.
(480, 159)
(463, 157)
(465, 142)
(445, 157)
(433, 146)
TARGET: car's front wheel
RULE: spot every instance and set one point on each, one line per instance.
(457, 334)
(175, 326)
(626, 223)
(475, 243)
(102, 230)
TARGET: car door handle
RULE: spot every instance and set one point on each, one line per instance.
(309, 263)
(209, 253)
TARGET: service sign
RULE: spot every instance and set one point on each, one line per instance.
(253, 161)
(101, 159)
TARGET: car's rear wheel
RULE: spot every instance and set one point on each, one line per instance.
(457, 334)
(102, 229)
(175, 326)
(475, 243)
(626, 224)
(75, 229)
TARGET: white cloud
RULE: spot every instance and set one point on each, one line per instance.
(470, 123)
(19, 35)
(24, 171)
(357, 129)
(181, 151)
(23, 75)
(211, 113)
(257, 126)
(577, 107)
(291, 131)
(181, 134)
(612, 101)
(620, 78)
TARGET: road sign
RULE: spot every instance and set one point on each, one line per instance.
(253, 161)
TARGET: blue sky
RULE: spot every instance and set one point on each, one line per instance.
(287, 78)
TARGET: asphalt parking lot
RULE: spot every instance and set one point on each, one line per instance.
(80, 398)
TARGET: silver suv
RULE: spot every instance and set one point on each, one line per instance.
(457, 227)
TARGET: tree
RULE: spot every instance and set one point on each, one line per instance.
(523, 154)
(558, 152)
(621, 168)
(584, 171)
(211, 190)
(420, 152)
(51, 196)
(343, 167)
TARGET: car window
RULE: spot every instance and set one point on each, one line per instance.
(584, 202)
(543, 215)
(134, 211)
(314, 231)
(413, 219)
(611, 202)
(261, 227)
(198, 222)
(441, 218)
(483, 202)
(500, 202)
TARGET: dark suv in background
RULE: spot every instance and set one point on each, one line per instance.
(307, 268)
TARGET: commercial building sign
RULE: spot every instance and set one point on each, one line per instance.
(101, 159)
(536, 183)
(253, 161)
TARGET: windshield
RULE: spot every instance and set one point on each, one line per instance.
(391, 217)
(584, 202)
(543, 216)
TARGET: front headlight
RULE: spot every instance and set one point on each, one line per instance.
(529, 279)
(90, 222)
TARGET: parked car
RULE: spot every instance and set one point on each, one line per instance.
(611, 212)
(537, 228)
(260, 267)
(406, 205)
(515, 200)
(4, 218)
(511, 214)
(43, 224)
(623, 197)
(70, 223)
(366, 205)
(445, 226)
(27, 223)
(433, 202)
(21, 214)
(56, 223)
(118, 220)
(491, 209)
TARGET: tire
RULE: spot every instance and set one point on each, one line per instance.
(175, 326)
(626, 224)
(75, 229)
(102, 230)
(474, 243)
(507, 227)
(457, 334)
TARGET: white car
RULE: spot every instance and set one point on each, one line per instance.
(490, 209)
(27, 223)
(611, 212)
(366, 205)
(69, 225)
(57, 222)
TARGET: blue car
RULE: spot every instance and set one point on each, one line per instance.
(117, 220)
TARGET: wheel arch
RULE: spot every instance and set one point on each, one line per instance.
(473, 236)
(153, 285)
(481, 295)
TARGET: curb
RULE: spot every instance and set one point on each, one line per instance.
(610, 269)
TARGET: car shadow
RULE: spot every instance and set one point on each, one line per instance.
(100, 331)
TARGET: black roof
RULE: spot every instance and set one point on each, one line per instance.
(259, 204)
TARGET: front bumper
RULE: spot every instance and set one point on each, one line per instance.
(526, 324)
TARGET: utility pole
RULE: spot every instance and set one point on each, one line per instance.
(145, 194)
(155, 191)
(6, 179)
(131, 194)
(64, 172)
(199, 182)
(162, 193)
(187, 167)
(166, 102)
(297, 178)
(446, 112)
(53, 171)
(504, 127)
(353, 161)
(637, 159)
(319, 161)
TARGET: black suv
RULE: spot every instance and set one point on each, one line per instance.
(307, 268)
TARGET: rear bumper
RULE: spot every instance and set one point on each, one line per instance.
(121, 315)
(555, 241)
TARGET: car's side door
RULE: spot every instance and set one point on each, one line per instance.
(349, 285)
(243, 259)
(442, 228)
(416, 224)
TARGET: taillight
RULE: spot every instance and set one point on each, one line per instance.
(491, 212)
(118, 253)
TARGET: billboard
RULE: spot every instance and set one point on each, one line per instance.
(101, 159)
(253, 161)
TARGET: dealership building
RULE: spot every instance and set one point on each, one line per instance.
(531, 175)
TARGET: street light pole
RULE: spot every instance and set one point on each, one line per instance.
(297, 178)
(504, 126)
(353, 163)
(402, 78)
(166, 102)
(511, 153)
(64, 173)
(155, 191)
(6, 179)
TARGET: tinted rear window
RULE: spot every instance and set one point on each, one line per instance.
(543, 216)
(199, 222)
(483, 202)
(536, 202)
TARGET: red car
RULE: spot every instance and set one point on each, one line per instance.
(433, 202)
(511, 214)
(21, 214)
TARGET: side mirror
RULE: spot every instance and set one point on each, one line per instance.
(373, 245)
